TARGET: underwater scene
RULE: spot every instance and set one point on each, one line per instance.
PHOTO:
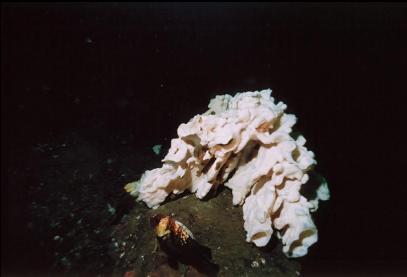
(181, 139)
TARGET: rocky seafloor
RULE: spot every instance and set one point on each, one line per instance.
(215, 223)
(79, 221)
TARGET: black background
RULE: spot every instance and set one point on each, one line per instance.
(150, 67)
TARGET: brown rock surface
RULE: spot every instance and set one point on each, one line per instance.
(215, 223)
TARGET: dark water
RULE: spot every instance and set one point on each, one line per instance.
(110, 80)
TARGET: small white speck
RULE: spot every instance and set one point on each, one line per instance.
(255, 264)
(88, 40)
(111, 209)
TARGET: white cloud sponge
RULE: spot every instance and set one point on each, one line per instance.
(245, 143)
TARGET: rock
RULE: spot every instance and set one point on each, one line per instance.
(131, 273)
(214, 226)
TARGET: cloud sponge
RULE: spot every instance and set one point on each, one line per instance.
(245, 143)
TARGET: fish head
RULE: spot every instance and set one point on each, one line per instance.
(161, 224)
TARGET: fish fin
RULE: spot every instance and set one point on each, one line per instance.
(185, 229)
